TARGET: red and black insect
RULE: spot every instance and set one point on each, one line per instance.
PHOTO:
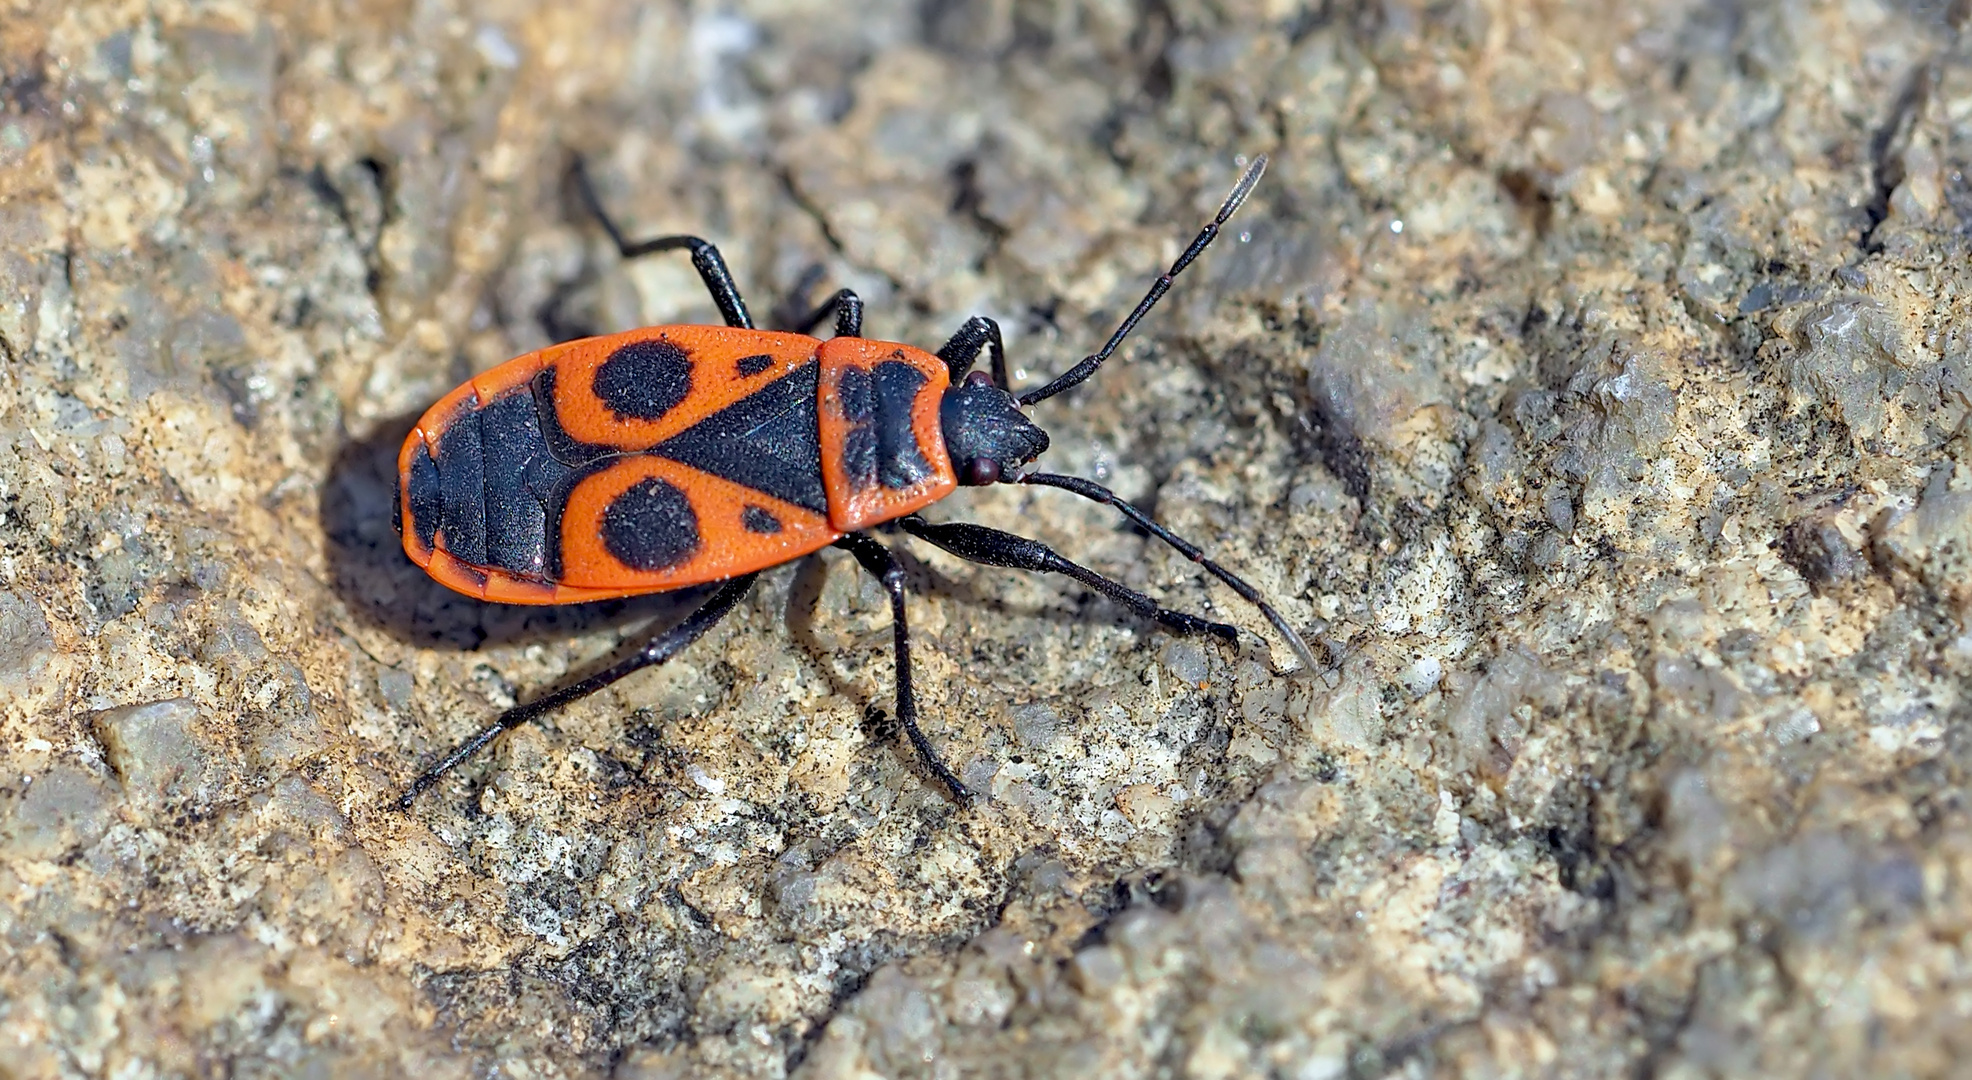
(673, 456)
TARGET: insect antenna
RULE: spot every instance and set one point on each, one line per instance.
(1158, 288)
(1097, 493)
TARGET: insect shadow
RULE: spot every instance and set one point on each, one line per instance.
(381, 586)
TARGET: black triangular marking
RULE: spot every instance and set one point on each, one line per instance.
(769, 441)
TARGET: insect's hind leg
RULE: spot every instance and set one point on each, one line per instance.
(882, 565)
(991, 547)
(706, 259)
(655, 651)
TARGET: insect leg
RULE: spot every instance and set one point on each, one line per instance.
(655, 651)
(847, 308)
(960, 353)
(1096, 492)
(883, 566)
(710, 264)
(977, 543)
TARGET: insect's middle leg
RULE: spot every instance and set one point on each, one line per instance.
(711, 266)
(977, 543)
(883, 566)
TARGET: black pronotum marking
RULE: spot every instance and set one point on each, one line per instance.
(858, 397)
(644, 379)
(750, 366)
(768, 440)
(900, 461)
(759, 519)
(651, 526)
(881, 447)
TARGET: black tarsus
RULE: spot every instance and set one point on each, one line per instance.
(977, 543)
(655, 651)
(847, 308)
(882, 565)
(1158, 288)
(1096, 492)
(960, 353)
(706, 258)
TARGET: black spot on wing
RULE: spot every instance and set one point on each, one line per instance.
(644, 379)
(750, 366)
(651, 526)
(769, 441)
(759, 519)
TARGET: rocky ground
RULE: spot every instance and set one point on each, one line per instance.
(1587, 382)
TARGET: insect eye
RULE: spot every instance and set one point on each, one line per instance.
(982, 471)
(978, 378)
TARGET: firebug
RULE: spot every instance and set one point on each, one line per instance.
(675, 456)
